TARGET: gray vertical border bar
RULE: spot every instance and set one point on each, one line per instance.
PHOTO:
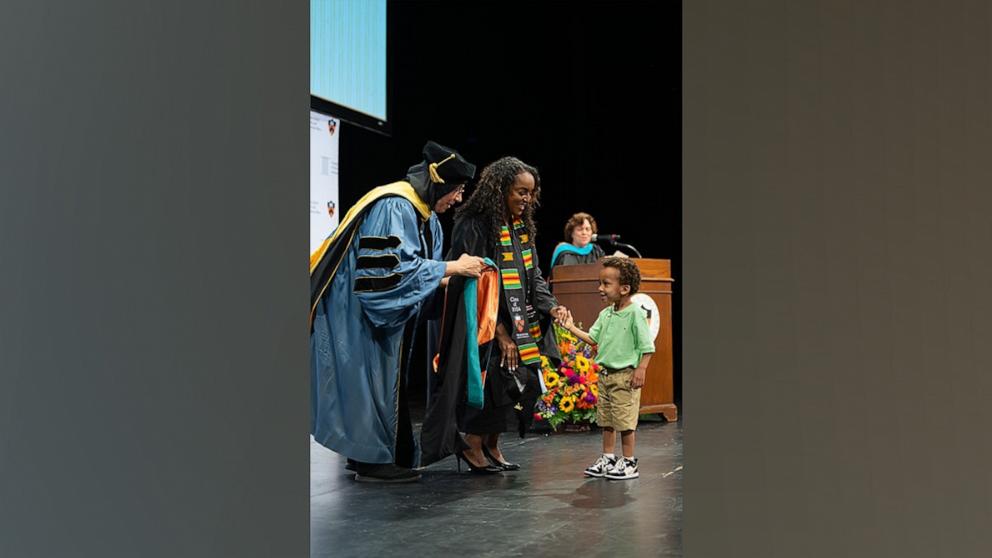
(153, 344)
(837, 311)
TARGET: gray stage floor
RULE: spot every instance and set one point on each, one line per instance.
(548, 508)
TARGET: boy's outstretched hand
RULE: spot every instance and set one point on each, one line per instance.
(568, 322)
(558, 313)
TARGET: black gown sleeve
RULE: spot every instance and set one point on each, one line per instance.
(544, 301)
(467, 237)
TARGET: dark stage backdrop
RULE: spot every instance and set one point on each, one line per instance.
(589, 94)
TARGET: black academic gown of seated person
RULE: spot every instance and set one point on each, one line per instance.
(567, 254)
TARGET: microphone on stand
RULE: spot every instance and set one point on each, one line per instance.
(613, 239)
(606, 237)
(631, 248)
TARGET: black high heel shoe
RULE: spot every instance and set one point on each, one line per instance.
(473, 468)
(503, 465)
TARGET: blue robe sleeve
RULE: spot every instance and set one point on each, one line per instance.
(434, 304)
(437, 233)
(392, 277)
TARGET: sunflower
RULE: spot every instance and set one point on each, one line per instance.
(595, 390)
(581, 364)
(550, 380)
(563, 333)
(567, 404)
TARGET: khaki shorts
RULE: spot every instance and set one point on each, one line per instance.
(619, 405)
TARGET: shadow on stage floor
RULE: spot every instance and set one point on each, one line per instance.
(548, 508)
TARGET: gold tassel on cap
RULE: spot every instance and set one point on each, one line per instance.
(433, 169)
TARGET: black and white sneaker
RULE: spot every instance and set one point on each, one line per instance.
(600, 467)
(624, 469)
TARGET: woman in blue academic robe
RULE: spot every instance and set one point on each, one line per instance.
(368, 284)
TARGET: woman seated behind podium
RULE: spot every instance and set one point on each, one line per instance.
(578, 247)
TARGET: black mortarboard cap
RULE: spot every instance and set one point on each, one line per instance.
(446, 166)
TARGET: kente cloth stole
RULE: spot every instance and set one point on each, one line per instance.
(516, 261)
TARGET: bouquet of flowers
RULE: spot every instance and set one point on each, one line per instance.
(572, 388)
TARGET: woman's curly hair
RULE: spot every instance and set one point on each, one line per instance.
(489, 198)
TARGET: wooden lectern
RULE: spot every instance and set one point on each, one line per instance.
(575, 286)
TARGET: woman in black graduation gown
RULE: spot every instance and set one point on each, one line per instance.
(497, 222)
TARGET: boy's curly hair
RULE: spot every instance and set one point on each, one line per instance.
(629, 274)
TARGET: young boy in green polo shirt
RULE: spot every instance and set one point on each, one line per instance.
(624, 348)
